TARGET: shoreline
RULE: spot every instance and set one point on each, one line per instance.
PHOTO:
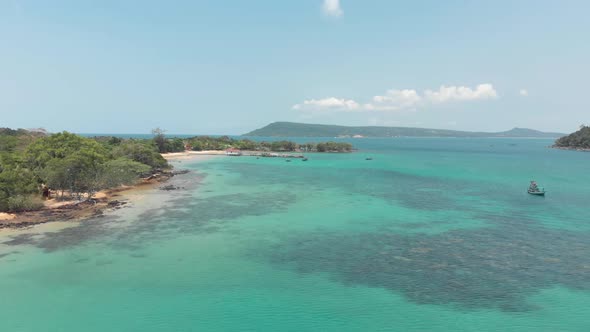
(103, 201)
(570, 148)
(172, 156)
(73, 210)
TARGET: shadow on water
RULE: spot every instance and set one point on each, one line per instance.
(181, 214)
(494, 267)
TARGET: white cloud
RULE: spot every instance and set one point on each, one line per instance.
(395, 100)
(332, 8)
(523, 92)
(406, 99)
(460, 93)
(334, 104)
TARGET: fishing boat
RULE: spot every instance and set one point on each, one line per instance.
(535, 190)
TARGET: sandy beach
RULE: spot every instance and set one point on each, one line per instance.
(7, 216)
(191, 154)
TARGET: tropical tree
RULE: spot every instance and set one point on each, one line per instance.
(159, 139)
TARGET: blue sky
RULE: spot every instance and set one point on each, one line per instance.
(211, 67)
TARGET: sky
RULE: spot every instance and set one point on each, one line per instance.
(228, 67)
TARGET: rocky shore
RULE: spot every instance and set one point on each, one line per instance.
(75, 210)
(570, 148)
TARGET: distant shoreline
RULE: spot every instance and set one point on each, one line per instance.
(293, 129)
(570, 148)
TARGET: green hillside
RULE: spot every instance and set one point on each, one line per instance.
(578, 140)
(291, 129)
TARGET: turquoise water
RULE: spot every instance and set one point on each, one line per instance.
(430, 235)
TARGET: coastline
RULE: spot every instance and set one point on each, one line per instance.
(570, 148)
(190, 155)
(103, 201)
(68, 211)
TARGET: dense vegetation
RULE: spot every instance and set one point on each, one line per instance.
(290, 129)
(68, 164)
(201, 143)
(578, 140)
(75, 166)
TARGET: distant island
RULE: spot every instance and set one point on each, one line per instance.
(292, 129)
(580, 140)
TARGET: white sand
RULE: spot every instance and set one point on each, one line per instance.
(191, 155)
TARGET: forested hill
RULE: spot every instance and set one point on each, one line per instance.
(291, 129)
(578, 140)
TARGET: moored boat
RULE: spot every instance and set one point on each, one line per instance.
(535, 190)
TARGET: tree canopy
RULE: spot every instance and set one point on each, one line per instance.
(69, 163)
(578, 140)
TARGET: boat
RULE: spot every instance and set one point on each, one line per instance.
(535, 190)
(304, 159)
(368, 158)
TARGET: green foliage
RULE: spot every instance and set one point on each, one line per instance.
(4, 201)
(246, 144)
(159, 139)
(174, 145)
(62, 145)
(121, 171)
(75, 173)
(70, 163)
(578, 140)
(141, 152)
(201, 143)
(17, 180)
(332, 147)
(166, 145)
(22, 203)
(209, 143)
(8, 143)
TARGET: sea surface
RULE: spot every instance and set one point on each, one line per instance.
(429, 235)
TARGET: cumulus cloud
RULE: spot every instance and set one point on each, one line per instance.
(461, 93)
(332, 103)
(332, 8)
(395, 100)
(405, 99)
(523, 92)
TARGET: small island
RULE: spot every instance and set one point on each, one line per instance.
(579, 140)
(208, 143)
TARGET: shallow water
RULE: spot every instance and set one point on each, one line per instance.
(432, 234)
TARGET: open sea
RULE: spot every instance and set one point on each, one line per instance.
(432, 234)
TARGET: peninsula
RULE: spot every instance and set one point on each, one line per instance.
(579, 140)
(292, 129)
(63, 176)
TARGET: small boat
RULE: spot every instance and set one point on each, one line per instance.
(368, 158)
(304, 159)
(535, 190)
